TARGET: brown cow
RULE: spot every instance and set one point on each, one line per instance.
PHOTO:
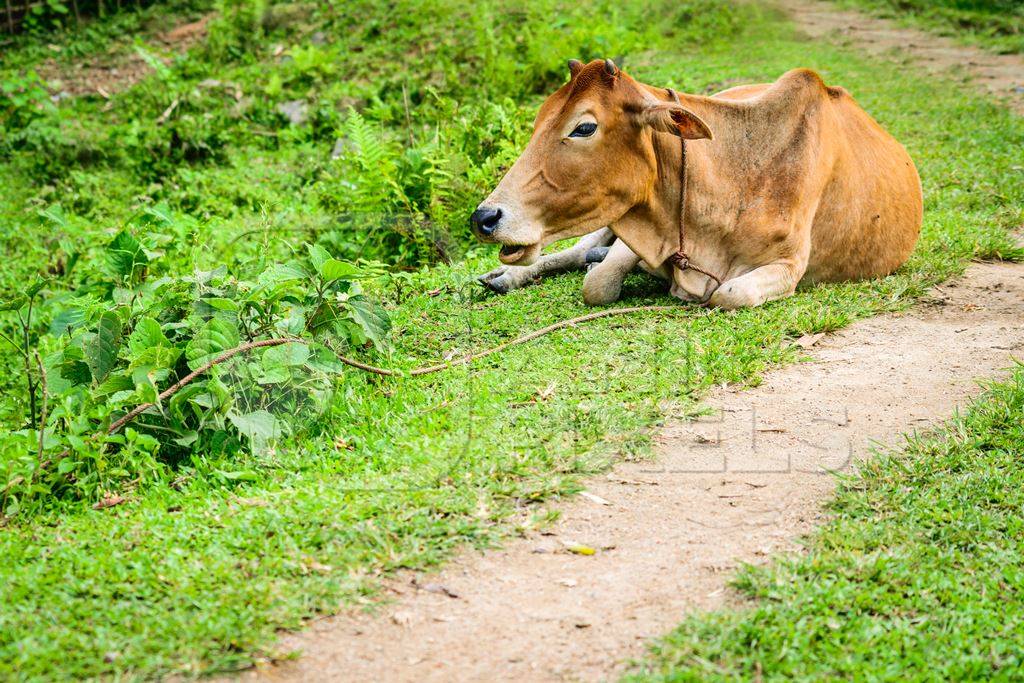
(782, 182)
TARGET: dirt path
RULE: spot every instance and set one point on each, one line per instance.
(1001, 75)
(728, 489)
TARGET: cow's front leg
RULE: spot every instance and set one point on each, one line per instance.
(773, 281)
(603, 282)
(506, 278)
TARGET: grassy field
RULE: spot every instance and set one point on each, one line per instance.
(917, 576)
(995, 24)
(229, 532)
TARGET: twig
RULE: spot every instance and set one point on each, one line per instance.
(246, 233)
(231, 353)
(408, 117)
(173, 389)
(42, 415)
(539, 333)
(26, 325)
(429, 369)
(167, 112)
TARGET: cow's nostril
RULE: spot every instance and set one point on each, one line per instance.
(485, 219)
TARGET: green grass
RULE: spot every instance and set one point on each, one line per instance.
(917, 576)
(994, 24)
(197, 572)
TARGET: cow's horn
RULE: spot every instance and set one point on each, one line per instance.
(574, 67)
(610, 68)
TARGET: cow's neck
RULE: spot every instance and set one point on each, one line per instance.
(651, 227)
(648, 227)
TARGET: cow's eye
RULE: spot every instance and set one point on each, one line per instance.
(584, 130)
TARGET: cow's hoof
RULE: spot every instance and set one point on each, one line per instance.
(735, 294)
(596, 255)
(496, 280)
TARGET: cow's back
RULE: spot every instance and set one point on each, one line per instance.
(869, 214)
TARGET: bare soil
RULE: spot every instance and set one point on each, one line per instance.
(737, 486)
(121, 67)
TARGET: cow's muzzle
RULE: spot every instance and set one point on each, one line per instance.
(485, 220)
(499, 225)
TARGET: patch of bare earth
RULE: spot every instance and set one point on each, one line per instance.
(1001, 75)
(729, 488)
(118, 69)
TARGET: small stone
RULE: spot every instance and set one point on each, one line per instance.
(296, 111)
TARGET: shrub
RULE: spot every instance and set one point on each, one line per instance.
(135, 334)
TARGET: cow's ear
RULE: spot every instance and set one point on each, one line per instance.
(675, 119)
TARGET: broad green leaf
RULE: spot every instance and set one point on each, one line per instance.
(147, 392)
(257, 426)
(286, 355)
(371, 318)
(272, 375)
(101, 348)
(318, 256)
(277, 363)
(187, 439)
(119, 397)
(242, 475)
(326, 318)
(220, 304)
(292, 322)
(55, 214)
(160, 213)
(147, 334)
(333, 269)
(325, 360)
(68, 320)
(73, 367)
(181, 401)
(13, 304)
(115, 383)
(125, 255)
(156, 357)
(216, 337)
(36, 287)
(282, 272)
(154, 364)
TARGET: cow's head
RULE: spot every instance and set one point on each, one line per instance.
(590, 160)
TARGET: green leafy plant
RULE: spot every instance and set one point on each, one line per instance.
(208, 364)
(23, 98)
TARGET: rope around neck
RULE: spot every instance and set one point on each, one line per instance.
(680, 259)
